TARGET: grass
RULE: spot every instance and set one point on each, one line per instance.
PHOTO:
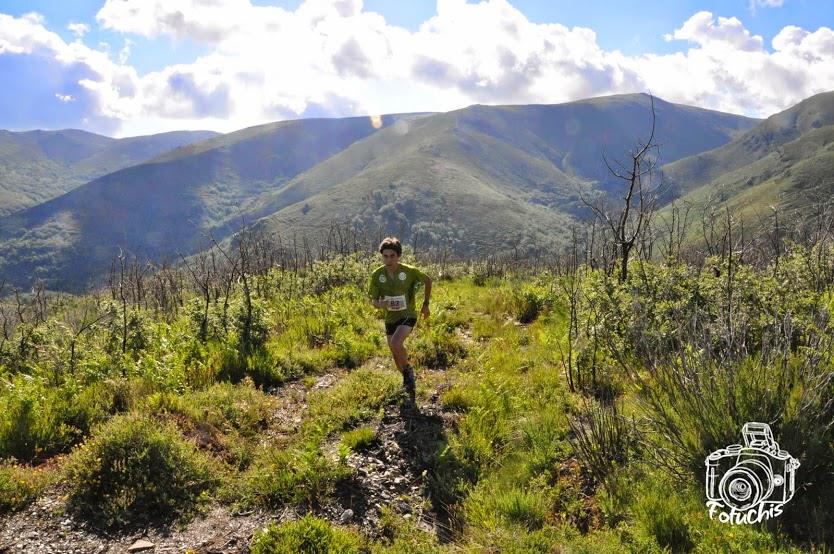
(20, 485)
(309, 535)
(526, 465)
(359, 438)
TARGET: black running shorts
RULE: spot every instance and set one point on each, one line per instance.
(391, 327)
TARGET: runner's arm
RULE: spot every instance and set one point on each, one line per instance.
(426, 289)
(373, 295)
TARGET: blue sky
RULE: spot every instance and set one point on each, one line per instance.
(127, 67)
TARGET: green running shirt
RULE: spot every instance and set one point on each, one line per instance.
(401, 287)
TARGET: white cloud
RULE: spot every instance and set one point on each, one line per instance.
(331, 57)
(124, 53)
(58, 84)
(204, 20)
(728, 69)
(729, 32)
(78, 29)
(766, 4)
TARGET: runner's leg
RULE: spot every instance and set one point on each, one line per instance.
(393, 353)
(396, 341)
(398, 345)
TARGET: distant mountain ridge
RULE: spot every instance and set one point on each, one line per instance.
(786, 161)
(519, 164)
(167, 205)
(482, 178)
(36, 166)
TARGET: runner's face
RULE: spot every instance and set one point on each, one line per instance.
(390, 258)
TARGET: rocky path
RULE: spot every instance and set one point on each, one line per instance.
(395, 471)
(43, 528)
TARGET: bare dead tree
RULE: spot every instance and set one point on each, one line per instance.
(123, 298)
(202, 277)
(570, 287)
(39, 303)
(629, 221)
(675, 231)
(79, 326)
(5, 323)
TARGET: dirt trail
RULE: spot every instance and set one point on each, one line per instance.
(395, 471)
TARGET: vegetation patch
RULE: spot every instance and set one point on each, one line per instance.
(309, 535)
(359, 438)
(136, 469)
(20, 485)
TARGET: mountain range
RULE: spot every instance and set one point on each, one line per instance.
(480, 179)
(36, 166)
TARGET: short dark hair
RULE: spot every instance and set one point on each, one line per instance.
(391, 243)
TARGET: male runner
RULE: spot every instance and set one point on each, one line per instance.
(392, 287)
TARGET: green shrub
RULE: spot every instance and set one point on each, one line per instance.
(241, 407)
(225, 361)
(225, 418)
(19, 485)
(457, 399)
(131, 334)
(662, 515)
(302, 476)
(359, 438)
(265, 367)
(527, 508)
(252, 326)
(318, 329)
(351, 351)
(483, 272)
(528, 304)
(356, 398)
(136, 469)
(437, 347)
(139, 332)
(309, 535)
(486, 428)
(543, 436)
(602, 439)
(34, 421)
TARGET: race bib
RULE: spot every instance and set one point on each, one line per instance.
(396, 303)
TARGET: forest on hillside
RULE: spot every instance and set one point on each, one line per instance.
(245, 399)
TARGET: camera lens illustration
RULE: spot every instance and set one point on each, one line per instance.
(751, 482)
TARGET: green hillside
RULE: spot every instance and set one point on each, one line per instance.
(429, 176)
(787, 162)
(36, 166)
(165, 206)
(436, 178)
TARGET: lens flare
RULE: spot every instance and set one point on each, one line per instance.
(376, 121)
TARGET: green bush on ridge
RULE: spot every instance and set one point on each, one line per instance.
(309, 535)
(135, 469)
(20, 485)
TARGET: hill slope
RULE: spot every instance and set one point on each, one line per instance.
(787, 161)
(481, 178)
(36, 166)
(486, 178)
(164, 206)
